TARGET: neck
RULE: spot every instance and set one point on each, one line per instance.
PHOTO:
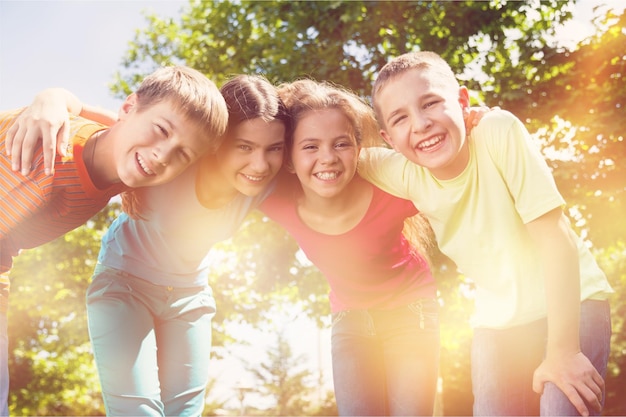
(93, 158)
(211, 190)
(338, 214)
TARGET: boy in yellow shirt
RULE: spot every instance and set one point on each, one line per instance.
(542, 320)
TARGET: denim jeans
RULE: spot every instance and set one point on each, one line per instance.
(503, 363)
(4, 350)
(386, 362)
(151, 344)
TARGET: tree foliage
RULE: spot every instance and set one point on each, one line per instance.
(572, 100)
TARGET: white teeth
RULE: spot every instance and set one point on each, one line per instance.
(429, 143)
(251, 178)
(326, 175)
(143, 165)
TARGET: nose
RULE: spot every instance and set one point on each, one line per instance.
(259, 162)
(163, 153)
(327, 154)
(420, 122)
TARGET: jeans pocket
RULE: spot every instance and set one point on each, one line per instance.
(337, 317)
(106, 280)
(427, 312)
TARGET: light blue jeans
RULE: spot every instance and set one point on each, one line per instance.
(151, 344)
(503, 363)
(385, 362)
(4, 350)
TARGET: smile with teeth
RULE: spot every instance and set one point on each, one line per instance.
(429, 143)
(253, 178)
(327, 175)
(143, 165)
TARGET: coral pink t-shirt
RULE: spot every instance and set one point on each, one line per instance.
(372, 266)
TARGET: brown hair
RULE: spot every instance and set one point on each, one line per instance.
(421, 60)
(304, 95)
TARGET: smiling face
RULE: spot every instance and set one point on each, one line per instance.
(251, 155)
(154, 145)
(422, 118)
(325, 152)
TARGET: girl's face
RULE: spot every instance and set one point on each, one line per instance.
(252, 155)
(325, 152)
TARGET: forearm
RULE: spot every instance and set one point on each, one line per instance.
(97, 114)
(559, 258)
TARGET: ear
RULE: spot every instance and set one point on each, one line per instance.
(464, 99)
(129, 104)
(387, 138)
(289, 166)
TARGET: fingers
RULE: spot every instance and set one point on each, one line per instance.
(63, 138)
(48, 142)
(15, 139)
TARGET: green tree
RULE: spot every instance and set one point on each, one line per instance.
(284, 378)
(50, 360)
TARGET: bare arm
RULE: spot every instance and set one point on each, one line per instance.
(47, 119)
(564, 365)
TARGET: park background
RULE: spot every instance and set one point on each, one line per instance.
(558, 65)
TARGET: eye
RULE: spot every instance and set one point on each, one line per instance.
(309, 147)
(431, 103)
(397, 120)
(277, 148)
(184, 155)
(343, 145)
(244, 147)
(163, 131)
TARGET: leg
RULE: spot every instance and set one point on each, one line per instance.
(122, 336)
(595, 340)
(184, 350)
(411, 357)
(4, 347)
(503, 363)
(357, 366)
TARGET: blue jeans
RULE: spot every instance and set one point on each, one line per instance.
(4, 350)
(503, 363)
(151, 344)
(386, 362)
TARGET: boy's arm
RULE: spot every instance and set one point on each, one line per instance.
(564, 365)
(47, 118)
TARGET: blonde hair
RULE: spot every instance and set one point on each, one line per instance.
(302, 96)
(192, 94)
(421, 60)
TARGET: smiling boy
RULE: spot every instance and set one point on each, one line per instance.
(541, 313)
(175, 117)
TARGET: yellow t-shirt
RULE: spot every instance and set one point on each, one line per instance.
(479, 217)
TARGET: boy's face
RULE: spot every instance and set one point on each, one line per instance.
(422, 118)
(251, 155)
(325, 152)
(154, 145)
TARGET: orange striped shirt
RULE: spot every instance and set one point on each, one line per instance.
(38, 208)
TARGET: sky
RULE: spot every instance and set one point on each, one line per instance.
(79, 44)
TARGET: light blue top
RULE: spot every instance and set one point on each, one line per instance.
(171, 245)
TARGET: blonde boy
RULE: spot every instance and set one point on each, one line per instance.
(175, 116)
(541, 314)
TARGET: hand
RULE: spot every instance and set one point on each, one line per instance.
(576, 377)
(472, 115)
(46, 119)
